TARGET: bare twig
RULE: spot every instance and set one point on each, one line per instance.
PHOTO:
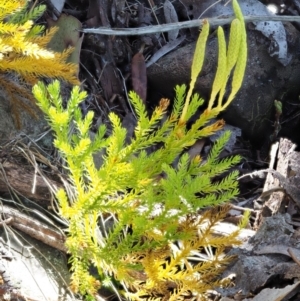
(34, 228)
(181, 25)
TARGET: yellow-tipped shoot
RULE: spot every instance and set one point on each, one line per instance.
(234, 60)
(197, 64)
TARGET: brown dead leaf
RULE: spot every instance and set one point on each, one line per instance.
(139, 76)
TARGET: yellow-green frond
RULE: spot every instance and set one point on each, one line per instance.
(220, 78)
(234, 44)
(43, 40)
(8, 29)
(237, 10)
(241, 61)
(197, 64)
(239, 71)
(26, 14)
(199, 54)
(29, 67)
(8, 7)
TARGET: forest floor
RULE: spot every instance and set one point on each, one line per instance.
(268, 264)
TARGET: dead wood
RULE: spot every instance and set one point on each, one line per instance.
(285, 162)
(25, 181)
(36, 229)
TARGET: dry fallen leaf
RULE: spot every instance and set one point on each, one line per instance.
(171, 17)
(139, 76)
(164, 50)
(273, 294)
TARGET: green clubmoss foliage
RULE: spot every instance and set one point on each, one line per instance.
(136, 218)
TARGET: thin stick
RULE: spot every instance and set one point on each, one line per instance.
(186, 24)
(34, 228)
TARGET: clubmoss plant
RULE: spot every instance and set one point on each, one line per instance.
(136, 218)
(23, 51)
(23, 45)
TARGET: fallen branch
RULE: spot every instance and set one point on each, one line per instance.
(21, 178)
(34, 228)
(186, 24)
